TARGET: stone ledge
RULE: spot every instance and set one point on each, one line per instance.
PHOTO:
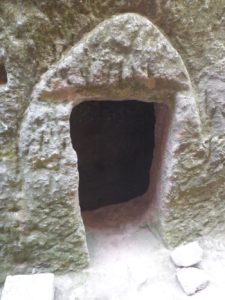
(27, 287)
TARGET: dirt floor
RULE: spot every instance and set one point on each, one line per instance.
(130, 262)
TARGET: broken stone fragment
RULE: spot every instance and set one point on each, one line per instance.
(29, 287)
(187, 255)
(192, 280)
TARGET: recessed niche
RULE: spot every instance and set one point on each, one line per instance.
(114, 141)
(3, 74)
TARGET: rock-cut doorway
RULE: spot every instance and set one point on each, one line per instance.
(114, 142)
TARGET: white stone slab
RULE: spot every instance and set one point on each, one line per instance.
(192, 280)
(29, 287)
(187, 255)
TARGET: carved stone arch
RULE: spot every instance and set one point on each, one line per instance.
(125, 57)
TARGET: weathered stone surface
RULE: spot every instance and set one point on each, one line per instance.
(34, 38)
(187, 255)
(192, 280)
(48, 164)
(27, 287)
(100, 67)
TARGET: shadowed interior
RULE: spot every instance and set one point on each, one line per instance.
(114, 141)
(3, 74)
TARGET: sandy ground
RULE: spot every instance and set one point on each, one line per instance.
(128, 261)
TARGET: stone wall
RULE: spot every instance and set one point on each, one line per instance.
(36, 34)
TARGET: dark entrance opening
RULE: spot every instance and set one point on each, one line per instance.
(3, 74)
(114, 142)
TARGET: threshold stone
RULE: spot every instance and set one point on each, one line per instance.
(29, 287)
(192, 280)
(187, 255)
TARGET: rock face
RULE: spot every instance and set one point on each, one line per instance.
(98, 67)
(123, 57)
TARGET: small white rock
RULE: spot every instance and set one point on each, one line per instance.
(29, 287)
(192, 280)
(187, 255)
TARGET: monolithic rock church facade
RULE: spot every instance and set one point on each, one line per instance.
(104, 101)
